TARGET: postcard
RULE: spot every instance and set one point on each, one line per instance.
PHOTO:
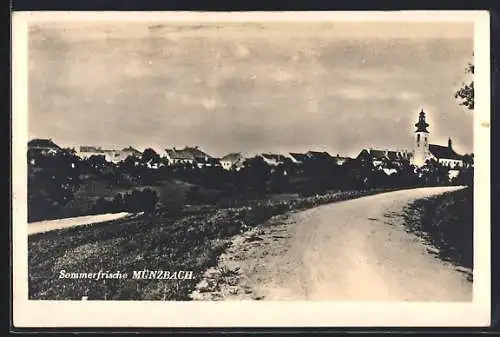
(239, 169)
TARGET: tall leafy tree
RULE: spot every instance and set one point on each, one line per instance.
(150, 156)
(466, 93)
(52, 182)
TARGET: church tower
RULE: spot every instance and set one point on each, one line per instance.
(421, 144)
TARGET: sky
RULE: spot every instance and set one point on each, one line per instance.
(252, 87)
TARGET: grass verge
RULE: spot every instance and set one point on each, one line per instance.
(446, 222)
(190, 241)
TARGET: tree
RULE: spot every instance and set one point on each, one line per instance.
(172, 199)
(465, 176)
(97, 161)
(255, 174)
(52, 182)
(468, 160)
(129, 162)
(150, 156)
(466, 92)
(117, 203)
(434, 173)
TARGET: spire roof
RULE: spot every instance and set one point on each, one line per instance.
(422, 124)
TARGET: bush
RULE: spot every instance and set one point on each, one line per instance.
(171, 200)
(447, 222)
(102, 205)
(136, 201)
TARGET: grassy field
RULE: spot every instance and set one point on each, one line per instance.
(446, 221)
(191, 240)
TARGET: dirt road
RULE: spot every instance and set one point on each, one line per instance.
(50, 225)
(351, 250)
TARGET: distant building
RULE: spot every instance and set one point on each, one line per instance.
(382, 157)
(153, 165)
(272, 159)
(176, 157)
(298, 158)
(210, 162)
(130, 151)
(340, 160)
(445, 155)
(316, 155)
(424, 151)
(116, 156)
(112, 156)
(43, 146)
(190, 156)
(232, 161)
(86, 152)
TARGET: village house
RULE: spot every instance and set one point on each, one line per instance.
(154, 165)
(301, 158)
(298, 158)
(209, 162)
(272, 159)
(111, 156)
(379, 158)
(190, 156)
(232, 161)
(319, 156)
(340, 160)
(177, 157)
(445, 155)
(86, 152)
(129, 151)
(43, 146)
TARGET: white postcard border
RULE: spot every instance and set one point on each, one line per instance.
(32, 313)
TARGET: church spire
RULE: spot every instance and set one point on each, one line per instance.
(422, 124)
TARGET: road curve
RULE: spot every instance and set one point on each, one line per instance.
(351, 250)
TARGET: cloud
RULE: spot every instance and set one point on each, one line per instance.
(375, 93)
(209, 103)
(377, 75)
(281, 75)
(407, 95)
(242, 51)
(354, 93)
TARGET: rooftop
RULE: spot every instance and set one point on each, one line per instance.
(391, 155)
(319, 155)
(444, 152)
(299, 156)
(232, 157)
(131, 149)
(86, 148)
(42, 143)
(188, 153)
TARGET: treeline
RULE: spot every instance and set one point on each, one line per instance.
(54, 179)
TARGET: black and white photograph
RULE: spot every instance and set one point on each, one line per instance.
(218, 157)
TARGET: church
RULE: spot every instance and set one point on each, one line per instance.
(421, 152)
(424, 151)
